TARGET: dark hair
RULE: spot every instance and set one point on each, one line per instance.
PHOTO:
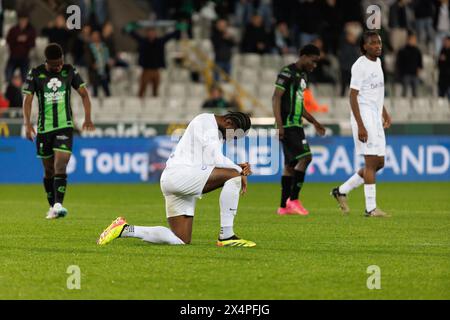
(53, 51)
(240, 119)
(365, 36)
(310, 50)
(22, 14)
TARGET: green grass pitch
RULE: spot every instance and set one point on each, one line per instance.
(322, 256)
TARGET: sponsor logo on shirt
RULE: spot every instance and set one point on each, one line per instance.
(377, 85)
(55, 96)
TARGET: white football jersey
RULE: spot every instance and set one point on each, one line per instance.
(201, 146)
(368, 79)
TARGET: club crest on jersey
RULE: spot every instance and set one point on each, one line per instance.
(54, 84)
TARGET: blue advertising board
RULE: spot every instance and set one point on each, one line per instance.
(103, 160)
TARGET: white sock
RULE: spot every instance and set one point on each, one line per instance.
(370, 193)
(229, 200)
(353, 182)
(152, 234)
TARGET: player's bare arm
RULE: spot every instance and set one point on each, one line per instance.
(88, 125)
(387, 121)
(276, 106)
(27, 104)
(319, 127)
(362, 132)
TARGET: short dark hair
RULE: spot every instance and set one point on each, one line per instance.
(53, 51)
(240, 119)
(365, 36)
(22, 14)
(309, 50)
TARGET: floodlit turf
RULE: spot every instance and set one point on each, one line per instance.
(322, 256)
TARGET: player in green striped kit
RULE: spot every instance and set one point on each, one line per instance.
(51, 82)
(289, 110)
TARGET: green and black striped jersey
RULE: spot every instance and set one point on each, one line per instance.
(293, 82)
(53, 93)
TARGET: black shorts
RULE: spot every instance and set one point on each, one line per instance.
(59, 140)
(295, 145)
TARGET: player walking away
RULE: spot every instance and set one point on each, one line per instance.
(369, 118)
(197, 166)
(52, 82)
(289, 110)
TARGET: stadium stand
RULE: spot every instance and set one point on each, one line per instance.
(185, 81)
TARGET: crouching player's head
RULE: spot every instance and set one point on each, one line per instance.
(235, 125)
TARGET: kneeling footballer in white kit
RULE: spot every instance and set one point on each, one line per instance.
(196, 167)
(369, 118)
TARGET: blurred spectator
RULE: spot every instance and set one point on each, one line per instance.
(309, 21)
(13, 92)
(409, 64)
(444, 69)
(99, 62)
(20, 39)
(423, 11)
(2, 16)
(57, 32)
(442, 23)
(401, 19)
(80, 44)
(54, 5)
(351, 10)
(349, 52)
(160, 8)
(94, 12)
(223, 44)
(283, 43)
(108, 39)
(151, 56)
(322, 73)
(246, 9)
(255, 38)
(331, 30)
(216, 100)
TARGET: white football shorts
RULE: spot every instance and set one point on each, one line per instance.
(182, 186)
(376, 142)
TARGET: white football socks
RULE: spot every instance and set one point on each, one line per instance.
(352, 183)
(370, 193)
(152, 234)
(229, 200)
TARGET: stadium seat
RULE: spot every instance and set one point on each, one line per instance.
(196, 90)
(194, 105)
(179, 75)
(112, 105)
(176, 90)
(269, 75)
(273, 61)
(401, 109)
(251, 60)
(441, 110)
(132, 105)
(95, 104)
(324, 90)
(249, 87)
(265, 93)
(248, 75)
(152, 104)
(174, 104)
